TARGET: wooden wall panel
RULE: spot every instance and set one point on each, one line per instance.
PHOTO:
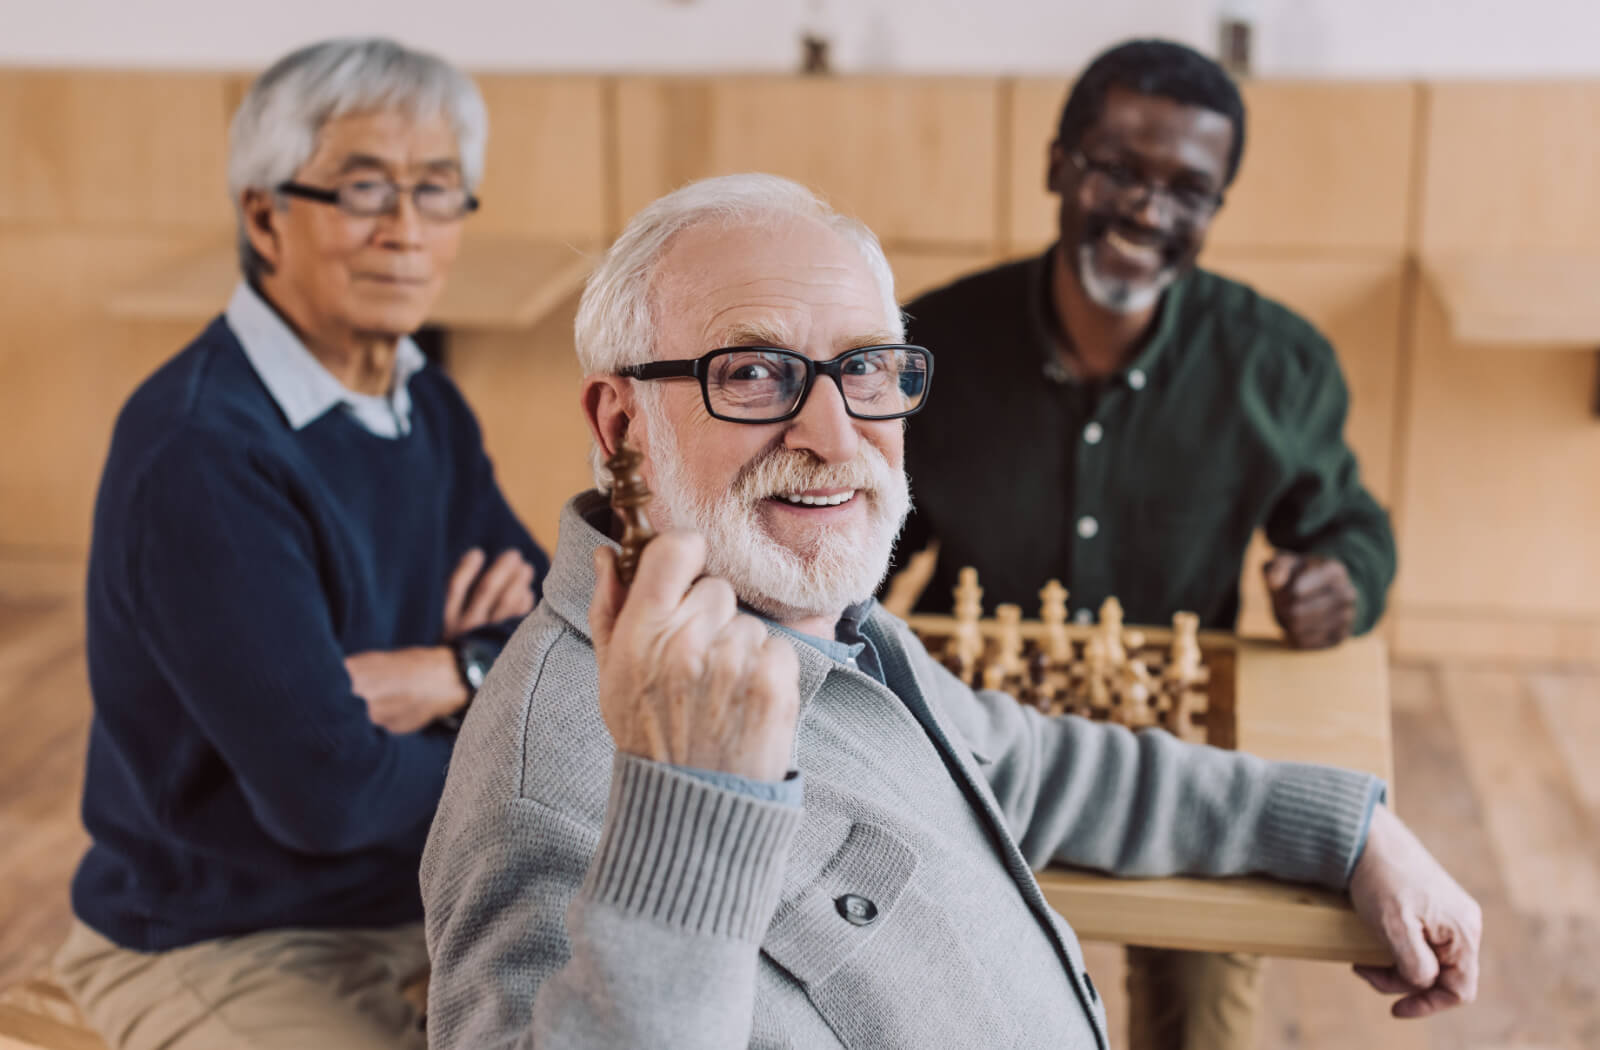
(1501, 509)
(524, 389)
(1511, 167)
(546, 172)
(126, 150)
(65, 370)
(918, 272)
(915, 158)
(1326, 166)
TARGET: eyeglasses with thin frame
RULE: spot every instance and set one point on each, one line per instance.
(764, 384)
(370, 198)
(1190, 202)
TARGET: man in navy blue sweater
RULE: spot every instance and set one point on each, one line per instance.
(301, 566)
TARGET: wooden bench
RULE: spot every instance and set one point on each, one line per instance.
(38, 1015)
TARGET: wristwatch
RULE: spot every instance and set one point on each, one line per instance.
(474, 657)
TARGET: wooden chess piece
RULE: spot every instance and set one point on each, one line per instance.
(968, 611)
(629, 494)
(1008, 649)
(1111, 632)
(1053, 614)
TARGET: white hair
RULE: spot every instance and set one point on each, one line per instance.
(615, 326)
(275, 130)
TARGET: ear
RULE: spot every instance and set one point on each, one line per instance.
(1055, 172)
(260, 211)
(608, 406)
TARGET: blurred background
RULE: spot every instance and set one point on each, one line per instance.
(1420, 181)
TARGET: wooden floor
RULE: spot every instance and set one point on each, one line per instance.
(1498, 770)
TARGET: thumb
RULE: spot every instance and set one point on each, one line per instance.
(1414, 959)
(1279, 569)
(607, 599)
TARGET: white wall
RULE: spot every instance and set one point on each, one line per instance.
(1296, 37)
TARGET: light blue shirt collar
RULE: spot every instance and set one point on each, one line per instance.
(305, 390)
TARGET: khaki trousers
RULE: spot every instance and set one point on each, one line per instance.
(283, 989)
(1192, 1000)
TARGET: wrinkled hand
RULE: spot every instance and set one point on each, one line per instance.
(407, 688)
(1431, 925)
(1312, 599)
(504, 590)
(685, 678)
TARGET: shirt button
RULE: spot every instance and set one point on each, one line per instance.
(1087, 527)
(1093, 433)
(1083, 616)
(857, 911)
(1136, 379)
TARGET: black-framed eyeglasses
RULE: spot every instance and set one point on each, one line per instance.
(369, 198)
(763, 384)
(1121, 182)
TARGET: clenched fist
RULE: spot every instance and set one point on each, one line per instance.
(685, 678)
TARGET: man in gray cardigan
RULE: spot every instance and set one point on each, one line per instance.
(736, 803)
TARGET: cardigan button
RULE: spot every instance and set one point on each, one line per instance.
(857, 910)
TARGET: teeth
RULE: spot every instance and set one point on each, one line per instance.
(1130, 249)
(816, 501)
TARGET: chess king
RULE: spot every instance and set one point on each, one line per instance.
(1128, 420)
(735, 803)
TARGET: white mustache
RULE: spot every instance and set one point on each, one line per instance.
(786, 470)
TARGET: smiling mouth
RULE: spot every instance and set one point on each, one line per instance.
(1145, 255)
(803, 499)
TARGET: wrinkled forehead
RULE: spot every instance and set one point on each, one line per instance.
(791, 283)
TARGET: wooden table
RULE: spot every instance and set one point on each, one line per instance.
(1330, 707)
(497, 282)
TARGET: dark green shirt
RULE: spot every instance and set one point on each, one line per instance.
(1146, 485)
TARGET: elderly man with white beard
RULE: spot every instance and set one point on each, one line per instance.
(736, 803)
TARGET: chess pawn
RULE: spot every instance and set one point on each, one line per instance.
(1097, 675)
(1111, 631)
(1009, 638)
(1053, 614)
(968, 611)
(1183, 664)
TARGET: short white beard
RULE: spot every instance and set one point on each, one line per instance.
(1116, 295)
(838, 568)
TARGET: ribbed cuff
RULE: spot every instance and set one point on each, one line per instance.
(685, 853)
(1314, 823)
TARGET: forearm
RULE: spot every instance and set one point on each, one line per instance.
(1146, 804)
(666, 929)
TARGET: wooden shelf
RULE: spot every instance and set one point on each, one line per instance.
(1532, 301)
(496, 283)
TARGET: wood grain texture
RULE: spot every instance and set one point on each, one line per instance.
(1327, 166)
(1530, 302)
(111, 149)
(912, 157)
(65, 370)
(1510, 168)
(524, 388)
(1496, 523)
(545, 173)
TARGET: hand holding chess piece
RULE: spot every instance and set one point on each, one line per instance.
(685, 677)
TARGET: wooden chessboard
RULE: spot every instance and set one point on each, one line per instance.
(1210, 718)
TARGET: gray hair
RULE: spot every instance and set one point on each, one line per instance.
(275, 130)
(615, 326)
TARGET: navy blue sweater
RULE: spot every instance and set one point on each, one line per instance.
(235, 782)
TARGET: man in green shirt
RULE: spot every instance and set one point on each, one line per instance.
(1116, 418)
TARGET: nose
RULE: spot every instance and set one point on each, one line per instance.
(1147, 207)
(823, 427)
(401, 226)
